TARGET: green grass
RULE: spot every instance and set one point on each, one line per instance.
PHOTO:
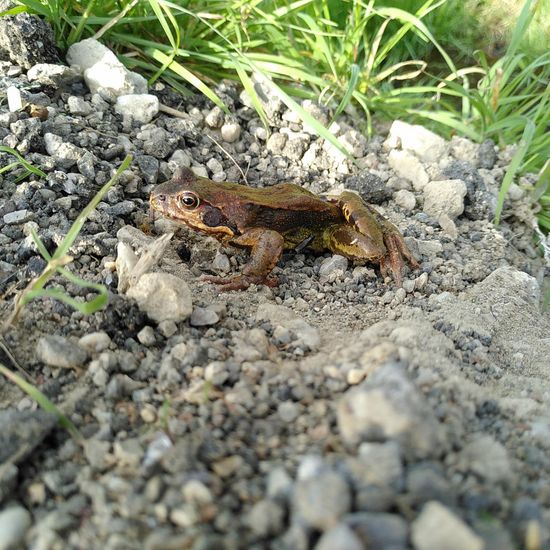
(44, 403)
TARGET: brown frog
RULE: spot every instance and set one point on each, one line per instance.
(283, 216)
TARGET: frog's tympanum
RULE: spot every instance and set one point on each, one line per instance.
(283, 216)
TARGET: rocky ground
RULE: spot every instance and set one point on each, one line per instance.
(335, 411)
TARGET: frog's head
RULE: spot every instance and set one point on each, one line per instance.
(193, 200)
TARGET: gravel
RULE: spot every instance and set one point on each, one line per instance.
(334, 411)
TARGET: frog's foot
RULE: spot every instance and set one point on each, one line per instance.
(240, 282)
(393, 262)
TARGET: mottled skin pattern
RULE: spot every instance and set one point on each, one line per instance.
(280, 217)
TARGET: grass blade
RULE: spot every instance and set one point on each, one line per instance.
(43, 402)
(514, 166)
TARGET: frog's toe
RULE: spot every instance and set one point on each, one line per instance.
(240, 282)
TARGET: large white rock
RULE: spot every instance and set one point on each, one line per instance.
(426, 145)
(103, 72)
(162, 297)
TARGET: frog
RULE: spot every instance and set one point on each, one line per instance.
(280, 217)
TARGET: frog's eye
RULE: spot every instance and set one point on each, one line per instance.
(189, 200)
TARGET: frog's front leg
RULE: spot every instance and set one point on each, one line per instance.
(266, 250)
(370, 237)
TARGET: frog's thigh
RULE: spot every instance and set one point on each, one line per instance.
(345, 240)
(266, 250)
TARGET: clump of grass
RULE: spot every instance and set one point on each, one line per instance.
(57, 261)
(28, 168)
(508, 101)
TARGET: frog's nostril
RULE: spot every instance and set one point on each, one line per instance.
(160, 197)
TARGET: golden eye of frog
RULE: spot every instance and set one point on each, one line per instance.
(281, 217)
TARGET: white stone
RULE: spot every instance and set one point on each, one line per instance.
(140, 107)
(163, 297)
(64, 154)
(426, 145)
(231, 132)
(405, 199)
(95, 341)
(14, 523)
(103, 72)
(444, 197)
(438, 527)
(407, 166)
(15, 103)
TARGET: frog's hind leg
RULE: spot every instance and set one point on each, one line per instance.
(381, 234)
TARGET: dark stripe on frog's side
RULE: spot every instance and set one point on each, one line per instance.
(295, 226)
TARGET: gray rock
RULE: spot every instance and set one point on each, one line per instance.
(407, 166)
(379, 530)
(266, 518)
(322, 500)
(288, 411)
(51, 74)
(26, 40)
(276, 143)
(332, 268)
(58, 351)
(339, 537)
(97, 453)
(388, 406)
(376, 475)
(203, 317)
(216, 372)
(487, 458)
(157, 142)
(279, 484)
(294, 329)
(147, 336)
(149, 167)
(103, 72)
(64, 154)
(78, 106)
(214, 119)
(354, 142)
(17, 217)
(370, 186)
(438, 527)
(14, 524)
(480, 203)
(162, 297)
(426, 145)
(444, 197)
(128, 453)
(426, 482)
(487, 156)
(86, 165)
